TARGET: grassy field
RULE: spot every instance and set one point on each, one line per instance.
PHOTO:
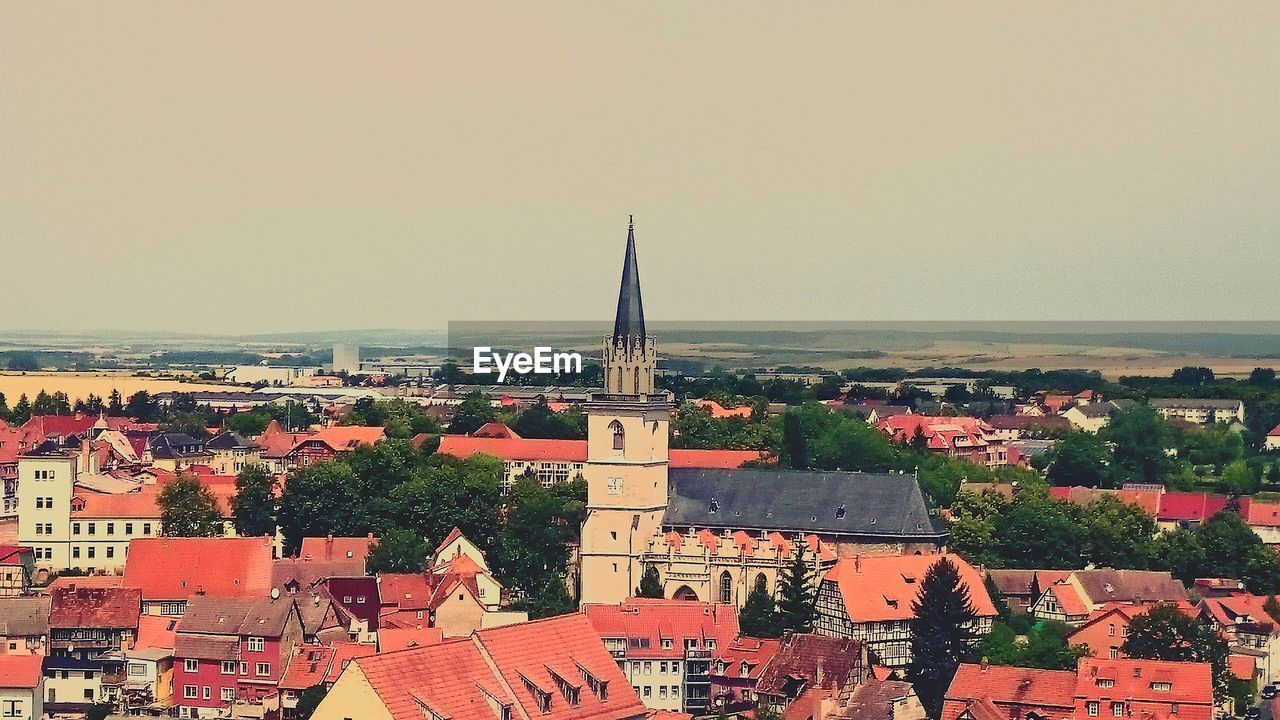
(79, 385)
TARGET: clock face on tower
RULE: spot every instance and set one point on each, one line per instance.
(615, 486)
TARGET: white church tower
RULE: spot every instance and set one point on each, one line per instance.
(626, 469)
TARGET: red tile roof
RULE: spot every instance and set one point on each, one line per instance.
(95, 607)
(653, 621)
(391, 639)
(453, 678)
(1049, 692)
(176, 568)
(320, 664)
(1232, 610)
(156, 631)
(495, 430)
(1190, 507)
(529, 450)
(336, 548)
(1242, 667)
(1192, 683)
(755, 652)
(20, 671)
(1068, 599)
(800, 656)
(1261, 513)
(878, 588)
(719, 411)
(12, 554)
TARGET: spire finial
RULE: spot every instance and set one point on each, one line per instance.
(631, 222)
(629, 321)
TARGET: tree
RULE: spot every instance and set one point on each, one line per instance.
(1037, 531)
(441, 494)
(1118, 534)
(115, 404)
(795, 450)
(189, 509)
(759, 615)
(398, 551)
(1179, 551)
(1262, 376)
(21, 411)
(796, 608)
(650, 583)
(942, 633)
(309, 701)
(1272, 607)
(142, 407)
(540, 523)
(551, 599)
(1167, 633)
(254, 507)
(1239, 479)
(474, 411)
(1139, 436)
(1080, 458)
(320, 499)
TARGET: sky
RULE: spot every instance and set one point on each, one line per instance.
(248, 167)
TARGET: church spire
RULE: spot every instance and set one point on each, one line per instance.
(629, 322)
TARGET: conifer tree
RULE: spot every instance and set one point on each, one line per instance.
(650, 583)
(759, 616)
(796, 595)
(941, 633)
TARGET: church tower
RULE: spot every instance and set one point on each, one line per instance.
(626, 469)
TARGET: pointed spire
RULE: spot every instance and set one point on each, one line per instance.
(629, 322)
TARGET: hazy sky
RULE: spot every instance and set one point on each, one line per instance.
(251, 166)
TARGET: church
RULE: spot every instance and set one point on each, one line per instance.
(714, 533)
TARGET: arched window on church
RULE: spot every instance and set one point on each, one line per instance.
(616, 428)
(620, 388)
(761, 583)
(726, 587)
(637, 380)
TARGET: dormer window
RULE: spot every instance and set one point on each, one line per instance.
(615, 427)
(714, 507)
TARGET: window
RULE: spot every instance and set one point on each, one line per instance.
(111, 528)
(1173, 709)
(111, 551)
(11, 708)
(1111, 629)
(1161, 686)
(75, 551)
(726, 587)
(228, 667)
(615, 427)
(206, 692)
(190, 692)
(256, 644)
(137, 669)
(662, 667)
(75, 528)
(93, 528)
(1115, 653)
(662, 692)
(91, 550)
(146, 528)
(128, 528)
(666, 643)
(648, 691)
(228, 694)
(244, 668)
(360, 600)
(1117, 709)
(648, 667)
(1092, 706)
(263, 669)
(190, 665)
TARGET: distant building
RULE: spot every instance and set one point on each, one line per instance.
(736, 670)
(1272, 441)
(269, 374)
(805, 662)
(1092, 417)
(346, 359)
(1248, 628)
(968, 438)
(1106, 629)
(17, 567)
(1200, 411)
(171, 571)
(24, 625)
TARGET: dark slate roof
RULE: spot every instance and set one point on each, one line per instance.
(176, 445)
(227, 441)
(801, 501)
(21, 616)
(629, 322)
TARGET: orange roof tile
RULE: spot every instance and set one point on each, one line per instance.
(171, 568)
(156, 631)
(453, 678)
(20, 671)
(1191, 682)
(336, 548)
(883, 587)
(1049, 690)
(657, 620)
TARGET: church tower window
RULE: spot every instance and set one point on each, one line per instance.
(726, 587)
(616, 428)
